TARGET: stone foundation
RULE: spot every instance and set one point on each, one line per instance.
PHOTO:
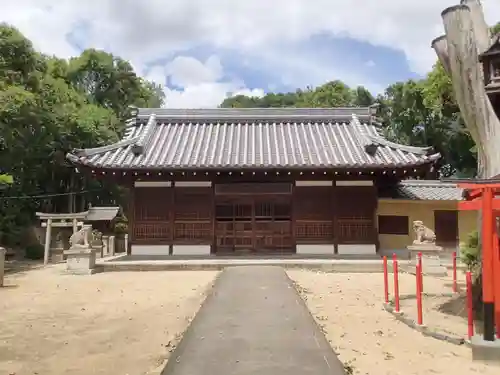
(486, 351)
(191, 250)
(431, 262)
(316, 249)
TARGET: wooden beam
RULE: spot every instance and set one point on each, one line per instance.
(479, 185)
(65, 224)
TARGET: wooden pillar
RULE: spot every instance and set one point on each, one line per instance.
(496, 276)
(487, 247)
(335, 229)
(131, 219)
(48, 234)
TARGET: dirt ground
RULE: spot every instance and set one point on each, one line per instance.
(110, 323)
(370, 340)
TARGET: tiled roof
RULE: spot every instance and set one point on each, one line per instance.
(253, 138)
(429, 190)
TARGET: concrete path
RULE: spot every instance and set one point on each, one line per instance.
(254, 322)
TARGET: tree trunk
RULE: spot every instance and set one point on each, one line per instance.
(467, 36)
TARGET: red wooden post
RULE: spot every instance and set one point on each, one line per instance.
(396, 282)
(386, 281)
(470, 313)
(455, 289)
(487, 247)
(496, 277)
(421, 277)
(420, 319)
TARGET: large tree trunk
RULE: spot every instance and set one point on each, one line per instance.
(467, 36)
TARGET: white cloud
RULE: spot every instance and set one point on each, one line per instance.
(370, 64)
(186, 71)
(147, 30)
(201, 85)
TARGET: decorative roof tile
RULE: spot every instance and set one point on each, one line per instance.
(253, 138)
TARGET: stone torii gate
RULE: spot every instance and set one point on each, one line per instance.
(74, 220)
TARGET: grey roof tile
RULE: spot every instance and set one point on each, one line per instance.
(253, 138)
(429, 190)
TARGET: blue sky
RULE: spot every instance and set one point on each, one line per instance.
(380, 65)
(202, 50)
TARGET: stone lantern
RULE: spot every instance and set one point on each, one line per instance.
(490, 60)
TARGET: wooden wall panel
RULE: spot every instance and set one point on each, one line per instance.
(152, 208)
(313, 214)
(193, 215)
(355, 214)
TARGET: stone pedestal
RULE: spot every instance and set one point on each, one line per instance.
(105, 246)
(486, 351)
(126, 242)
(2, 264)
(97, 250)
(80, 261)
(431, 262)
(111, 245)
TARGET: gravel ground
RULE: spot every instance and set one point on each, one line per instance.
(109, 323)
(368, 339)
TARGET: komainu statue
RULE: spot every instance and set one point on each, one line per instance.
(423, 235)
(81, 239)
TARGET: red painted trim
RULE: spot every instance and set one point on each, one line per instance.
(396, 282)
(470, 312)
(386, 281)
(487, 244)
(477, 205)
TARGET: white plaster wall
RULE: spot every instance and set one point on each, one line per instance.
(316, 249)
(357, 249)
(191, 250)
(355, 183)
(150, 249)
(193, 183)
(152, 183)
(313, 183)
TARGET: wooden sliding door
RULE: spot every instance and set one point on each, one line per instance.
(253, 217)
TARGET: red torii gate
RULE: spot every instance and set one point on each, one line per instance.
(480, 196)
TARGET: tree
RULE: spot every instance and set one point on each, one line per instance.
(467, 36)
(111, 82)
(49, 106)
(362, 97)
(424, 113)
(331, 94)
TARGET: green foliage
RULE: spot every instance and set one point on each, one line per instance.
(6, 179)
(34, 252)
(470, 251)
(121, 224)
(121, 228)
(495, 29)
(331, 94)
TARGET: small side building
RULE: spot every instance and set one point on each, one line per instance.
(261, 181)
(432, 201)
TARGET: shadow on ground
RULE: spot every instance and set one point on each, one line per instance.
(20, 266)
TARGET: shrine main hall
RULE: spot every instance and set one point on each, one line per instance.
(270, 181)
